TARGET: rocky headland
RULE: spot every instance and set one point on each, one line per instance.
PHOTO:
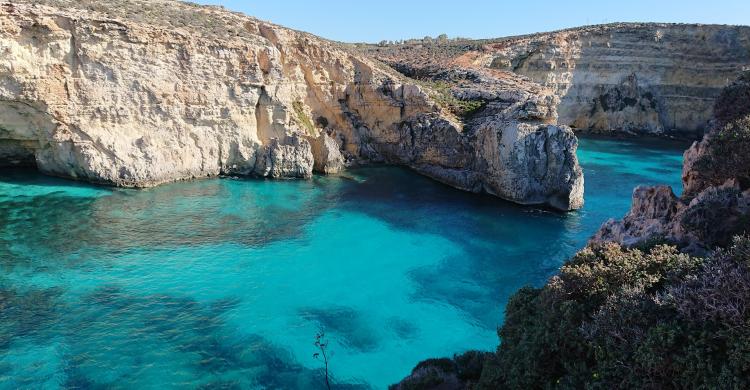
(138, 93)
(657, 300)
(622, 78)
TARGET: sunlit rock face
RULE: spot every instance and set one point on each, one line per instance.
(641, 78)
(112, 94)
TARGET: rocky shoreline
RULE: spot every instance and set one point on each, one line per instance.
(653, 300)
(99, 92)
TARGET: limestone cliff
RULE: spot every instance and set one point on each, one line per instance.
(715, 204)
(137, 93)
(637, 78)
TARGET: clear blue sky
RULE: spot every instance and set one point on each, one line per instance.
(375, 20)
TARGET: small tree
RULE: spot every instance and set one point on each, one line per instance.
(322, 344)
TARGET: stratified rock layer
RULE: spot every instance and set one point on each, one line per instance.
(636, 78)
(655, 78)
(110, 93)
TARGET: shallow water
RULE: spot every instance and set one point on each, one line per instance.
(224, 283)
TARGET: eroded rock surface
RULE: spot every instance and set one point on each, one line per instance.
(137, 93)
(625, 77)
(327, 155)
(715, 204)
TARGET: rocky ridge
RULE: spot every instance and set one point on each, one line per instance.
(140, 93)
(650, 78)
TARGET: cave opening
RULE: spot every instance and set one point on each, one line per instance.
(17, 153)
(22, 126)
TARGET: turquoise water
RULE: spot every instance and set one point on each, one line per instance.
(224, 283)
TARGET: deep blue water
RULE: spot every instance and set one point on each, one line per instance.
(224, 283)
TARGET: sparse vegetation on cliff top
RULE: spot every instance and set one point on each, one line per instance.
(441, 93)
(210, 21)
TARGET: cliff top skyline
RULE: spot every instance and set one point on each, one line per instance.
(396, 20)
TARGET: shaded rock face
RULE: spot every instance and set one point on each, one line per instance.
(105, 93)
(715, 204)
(633, 78)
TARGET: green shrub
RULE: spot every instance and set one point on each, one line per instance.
(734, 101)
(442, 95)
(728, 154)
(302, 118)
(727, 146)
(627, 318)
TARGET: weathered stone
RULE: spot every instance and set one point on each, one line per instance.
(715, 201)
(291, 157)
(328, 157)
(97, 94)
(533, 162)
(650, 78)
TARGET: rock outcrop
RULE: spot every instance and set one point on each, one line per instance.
(715, 204)
(636, 78)
(327, 155)
(138, 93)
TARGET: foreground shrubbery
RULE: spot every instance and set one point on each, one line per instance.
(624, 318)
(727, 148)
(728, 154)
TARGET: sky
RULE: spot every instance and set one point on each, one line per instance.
(376, 20)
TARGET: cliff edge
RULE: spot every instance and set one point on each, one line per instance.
(636, 78)
(140, 93)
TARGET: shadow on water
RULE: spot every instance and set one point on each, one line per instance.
(349, 325)
(140, 323)
(63, 225)
(498, 238)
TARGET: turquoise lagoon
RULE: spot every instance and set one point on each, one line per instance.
(224, 283)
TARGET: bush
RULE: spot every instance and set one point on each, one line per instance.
(727, 155)
(443, 96)
(727, 147)
(567, 333)
(626, 318)
(717, 216)
(734, 101)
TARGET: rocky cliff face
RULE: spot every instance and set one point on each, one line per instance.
(637, 78)
(144, 92)
(715, 204)
(646, 317)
